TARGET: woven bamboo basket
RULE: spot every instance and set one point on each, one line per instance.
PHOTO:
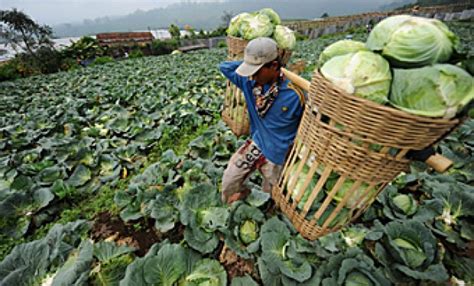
(346, 151)
(236, 47)
(235, 113)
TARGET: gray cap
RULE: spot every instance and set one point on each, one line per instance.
(257, 53)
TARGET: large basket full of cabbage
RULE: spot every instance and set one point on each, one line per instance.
(243, 28)
(363, 115)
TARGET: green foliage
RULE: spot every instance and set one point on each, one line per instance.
(136, 53)
(102, 60)
(8, 71)
(202, 215)
(244, 227)
(111, 272)
(207, 272)
(219, 32)
(172, 264)
(84, 48)
(300, 37)
(147, 133)
(280, 257)
(397, 205)
(350, 268)
(162, 47)
(75, 271)
(33, 260)
(243, 281)
(175, 32)
(409, 251)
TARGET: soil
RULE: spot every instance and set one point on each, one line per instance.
(237, 266)
(113, 228)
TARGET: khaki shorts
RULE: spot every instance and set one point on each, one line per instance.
(242, 164)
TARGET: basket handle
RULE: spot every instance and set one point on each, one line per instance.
(436, 161)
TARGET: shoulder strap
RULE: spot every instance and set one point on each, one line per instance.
(299, 91)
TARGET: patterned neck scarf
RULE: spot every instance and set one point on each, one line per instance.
(263, 101)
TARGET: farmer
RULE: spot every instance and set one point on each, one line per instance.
(275, 107)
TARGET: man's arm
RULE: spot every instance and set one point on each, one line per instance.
(228, 69)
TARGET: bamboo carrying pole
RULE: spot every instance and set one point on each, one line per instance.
(437, 162)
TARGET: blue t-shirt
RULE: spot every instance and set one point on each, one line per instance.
(275, 132)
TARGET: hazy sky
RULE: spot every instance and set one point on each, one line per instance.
(53, 12)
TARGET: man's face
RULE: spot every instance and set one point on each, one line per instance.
(266, 74)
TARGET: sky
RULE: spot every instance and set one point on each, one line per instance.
(54, 12)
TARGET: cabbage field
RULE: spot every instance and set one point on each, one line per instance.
(110, 175)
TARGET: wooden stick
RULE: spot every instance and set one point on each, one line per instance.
(438, 162)
(296, 79)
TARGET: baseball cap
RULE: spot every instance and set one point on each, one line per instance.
(257, 53)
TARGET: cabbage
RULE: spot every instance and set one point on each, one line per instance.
(346, 186)
(299, 180)
(248, 232)
(340, 48)
(255, 26)
(436, 91)
(405, 203)
(234, 26)
(270, 13)
(409, 41)
(364, 74)
(285, 37)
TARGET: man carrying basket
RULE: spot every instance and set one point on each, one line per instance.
(275, 107)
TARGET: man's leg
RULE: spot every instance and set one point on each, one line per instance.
(240, 166)
(271, 174)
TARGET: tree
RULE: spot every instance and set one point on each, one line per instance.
(324, 15)
(174, 31)
(20, 31)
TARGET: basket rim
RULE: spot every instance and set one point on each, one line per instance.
(377, 106)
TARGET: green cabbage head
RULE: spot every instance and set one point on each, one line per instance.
(409, 41)
(357, 194)
(435, 91)
(270, 13)
(340, 48)
(364, 74)
(255, 26)
(234, 26)
(299, 183)
(248, 232)
(285, 37)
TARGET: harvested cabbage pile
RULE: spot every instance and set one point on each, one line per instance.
(263, 23)
(440, 90)
(401, 65)
(409, 41)
(364, 74)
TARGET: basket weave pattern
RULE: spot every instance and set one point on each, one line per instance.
(235, 113)
(348, 138)
(236, 47)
